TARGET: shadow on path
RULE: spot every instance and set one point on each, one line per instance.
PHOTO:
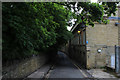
(64, 68)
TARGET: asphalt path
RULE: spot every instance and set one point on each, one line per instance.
(65, 68)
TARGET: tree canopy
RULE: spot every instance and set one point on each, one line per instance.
(31, 27)
(88, 13)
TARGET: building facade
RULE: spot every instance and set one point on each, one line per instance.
(94, 47)
(101, 44)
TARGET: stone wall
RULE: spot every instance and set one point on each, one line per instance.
(99, 37)
(23, 68)
(78, 53)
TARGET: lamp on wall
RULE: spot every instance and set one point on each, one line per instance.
(79, 32)
(99, 50)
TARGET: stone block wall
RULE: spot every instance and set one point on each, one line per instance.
(99, 37)
(24, 67)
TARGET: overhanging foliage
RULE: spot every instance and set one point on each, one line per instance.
(29, 27)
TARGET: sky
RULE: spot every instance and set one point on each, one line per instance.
(94, 0)
(69, 28)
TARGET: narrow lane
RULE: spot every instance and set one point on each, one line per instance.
(64, 68)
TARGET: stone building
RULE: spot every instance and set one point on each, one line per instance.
(94, 47)
(101, 44)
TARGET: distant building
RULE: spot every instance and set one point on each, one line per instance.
(94, 47)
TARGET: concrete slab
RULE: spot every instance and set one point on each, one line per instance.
(99, 73)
